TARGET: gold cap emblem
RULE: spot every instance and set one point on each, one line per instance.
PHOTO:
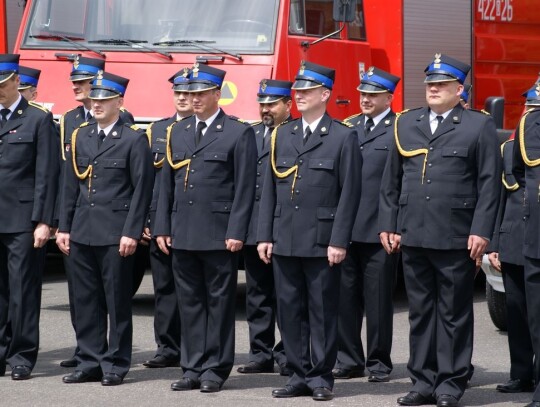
(76, 62)
(537, 90)
(437, 61)
(196, 70)
(185, 73)
(263, 85)
(302, 68)
(99, 78)
(370, 71)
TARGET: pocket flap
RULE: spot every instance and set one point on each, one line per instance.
(22, 137)
(159, 148)
(403, 198)
(178, 156)
(83, 161)
(221, 206)
(215, 156)
(324, 212)
(287, 162)
(506, 227)
(455, 152)
(277, 211)
(463, 203)
(321, 163)
(115, 163)
(25, 194)
(120, 204)
(153, 205)
(381, 147)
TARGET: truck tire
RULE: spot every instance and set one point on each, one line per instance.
(496, 302)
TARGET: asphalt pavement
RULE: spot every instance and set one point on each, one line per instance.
(151, 387)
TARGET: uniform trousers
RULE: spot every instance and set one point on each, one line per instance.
(102, 287)
(206, 288)
(532, 287)
(439, 286)
(21, 270)
(307, 291)
(261, 310)
(166, 316)
(368, 278)
(519, 336)
(69, 270)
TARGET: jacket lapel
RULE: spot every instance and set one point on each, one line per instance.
(111, 139)
(381, 127)
(449, 123)
(212, 133)
(422, 123)
(15, 120)
(315, 138)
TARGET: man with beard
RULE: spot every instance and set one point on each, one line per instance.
(275, 103)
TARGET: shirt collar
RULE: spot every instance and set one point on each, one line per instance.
(312, 126)
(107, 129)
(208, 121)
(433, 115)
(14, 105)
(377, 119)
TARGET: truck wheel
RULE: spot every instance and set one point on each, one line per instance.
(496, 302)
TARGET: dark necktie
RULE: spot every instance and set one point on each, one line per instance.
(307, 134)
(4, 113)
(88, 116)
(268, 134)
(198, 134)
(439, 121)
(369, 125)
(101, 137)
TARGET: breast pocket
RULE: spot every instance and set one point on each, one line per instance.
(282, 165)
(416, 163)
(321, 172)
(115, 170)
(82, 163)
(455, 160)
(215, 164)
(20, 146)
(158, 151)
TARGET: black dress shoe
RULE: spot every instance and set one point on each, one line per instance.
(210, 386)
(21, 373)
(161, 361)
(290, 391)
(347, 373)
(322, 394)
(111, 379)
(414, 398)
(285, 371)
(378, 378)
(79, 376)
(256, 367)
(516, 386)
(185, 384)
(69, 362)
(445, 400)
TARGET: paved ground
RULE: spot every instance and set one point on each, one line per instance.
(145, 387)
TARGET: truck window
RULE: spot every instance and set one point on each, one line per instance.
(156, 23)
(357, 29)
(311, 17)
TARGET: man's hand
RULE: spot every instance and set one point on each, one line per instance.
(390, 241)
(477, 245)
(234, 245)
(336, 255)
(42, 232)
(164, 242)
(494, 261)
(265, 251)
(62, 241)
(146, 237)
(128, 246)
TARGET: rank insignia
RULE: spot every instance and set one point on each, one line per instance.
(115, 133)
(218, 126)
(295, 128)
(455, 119)
(188, 126)
(387, 122)
(19, 111)
(323, 129)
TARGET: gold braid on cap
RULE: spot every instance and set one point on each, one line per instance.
(169, 157)
(86, 174)
(412, 153)
(157, 164)
(284, 174)
(530, 163)
(509, 187)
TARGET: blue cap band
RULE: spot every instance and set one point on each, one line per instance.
(9, 66)
(465, 96)
(318, 77)
(273, 91)
(531, 94)
(448, 68)
(85, 68)
(28, 80)
(205, 76)
(180, 79)
(110, 84)
(380, 80)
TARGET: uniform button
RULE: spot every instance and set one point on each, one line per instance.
(300, 161)
(226, 207)
(190, 202)
(1, 141)
(257, 186)
(194, 156)
(296, 207)
(297, 192)
(258, 174)
(428, 181)
(524, 218)
(157, 149)
(464, 203)
(431, 149)
(95, 162)
(215, 156)
(92, 204)
(361, 147)
(257, 198)
(427, 198)
(126, 206)
(429, 165)
(191, 186)
(93, 191)
(192, 171)
(455, 152)
(95, 176)
(260, 163)
(299, 177)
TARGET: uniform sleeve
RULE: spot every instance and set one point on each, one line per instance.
(47, 171)
(162, 225)
(142, 178)
(350, 179)
(245, 169)
(518, 165)
(267, 206)
(390, 192)
(68, 196)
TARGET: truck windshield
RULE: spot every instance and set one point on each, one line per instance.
(237, 26)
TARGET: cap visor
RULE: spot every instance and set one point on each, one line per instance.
(103, 94)
(201, 86)
(5, 76)
(23, 87)
(80, 77)
(368, 88)
(182, 87)
(532, 102)
(304, 84)
(269, 98)
(439, 77)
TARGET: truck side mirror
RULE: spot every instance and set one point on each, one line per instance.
(495, 106)
(344, 10)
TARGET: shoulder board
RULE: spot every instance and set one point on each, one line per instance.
(409, 110)
(344, 123)
(70, 110)
(256, 123)
(480, 111)
(37, 105)
(160, 120)
(123, 109)
(133, 127)
(238, 119)
(352, 117)
(84, 124)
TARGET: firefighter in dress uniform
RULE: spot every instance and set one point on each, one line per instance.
(439, 199)
(29, 81)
